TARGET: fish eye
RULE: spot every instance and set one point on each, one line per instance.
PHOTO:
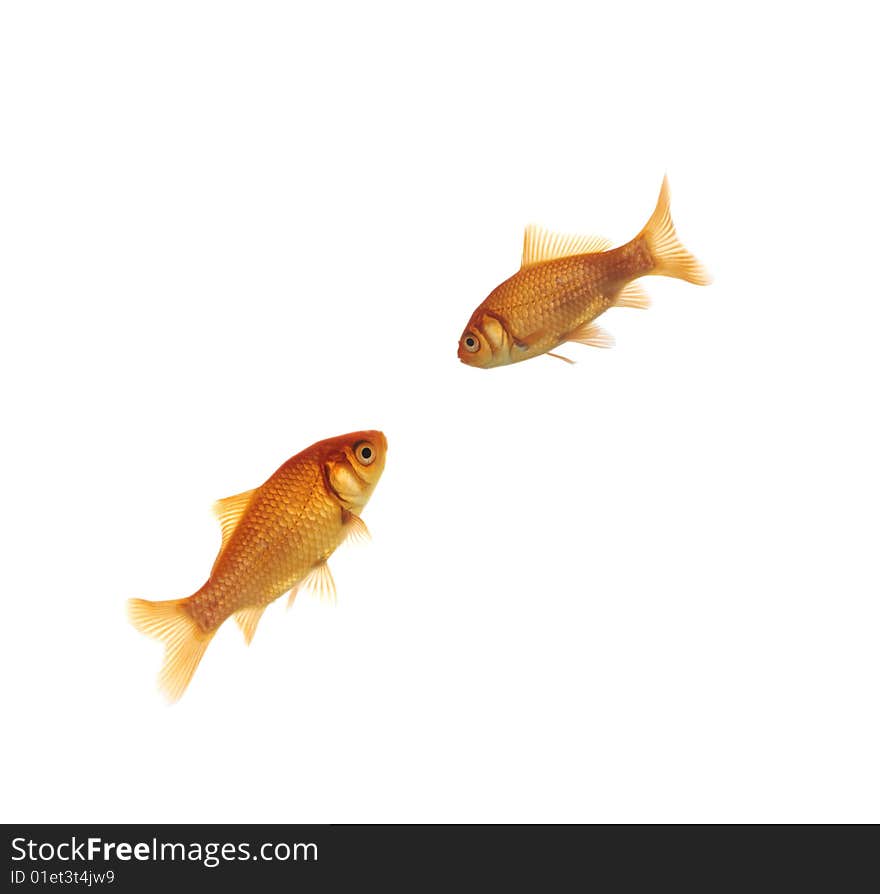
(471, 343)
(365, 453)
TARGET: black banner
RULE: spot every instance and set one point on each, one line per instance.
(307, 858)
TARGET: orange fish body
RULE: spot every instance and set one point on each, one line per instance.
(565, 283)
(275, 538)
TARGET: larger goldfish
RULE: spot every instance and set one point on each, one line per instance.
(565, 282)
(276, 538)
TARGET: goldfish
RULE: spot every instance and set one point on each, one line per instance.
(276, 538)
(566, 282)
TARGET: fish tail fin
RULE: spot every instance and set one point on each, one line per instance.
(670, 257)
(185, 642)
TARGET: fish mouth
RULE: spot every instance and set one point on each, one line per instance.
(473, 361)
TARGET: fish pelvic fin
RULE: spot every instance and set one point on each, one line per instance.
(185, 642)
(320, 581)
(670, 257)
(560, 357)
(591, 334)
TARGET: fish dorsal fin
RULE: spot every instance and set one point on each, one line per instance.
(229, 511)
(544, 245)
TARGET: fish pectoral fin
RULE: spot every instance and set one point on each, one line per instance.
(632, 295)
(591, 334)
(528, 341)
(560, 357)
(544, 245)
(229, 511)
(320, 581)
(355, 529)
(247, 619)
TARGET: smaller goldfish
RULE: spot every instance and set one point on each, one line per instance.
(564, 283)
(276, 538)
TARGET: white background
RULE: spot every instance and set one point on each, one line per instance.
(641, 588)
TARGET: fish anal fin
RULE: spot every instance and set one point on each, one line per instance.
(632, 295)
(541, 245)
(229, 511)
(185, 642)
(591, 334)
(560, 357)
(320, 581)
(247, 619)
